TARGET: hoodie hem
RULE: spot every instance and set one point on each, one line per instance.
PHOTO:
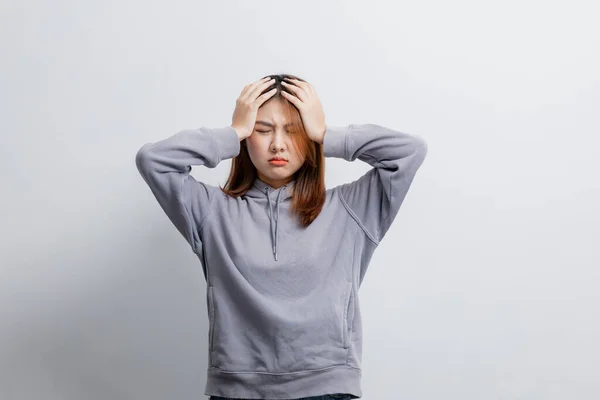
(290, 385)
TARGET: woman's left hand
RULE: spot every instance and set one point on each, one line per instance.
(311, 111)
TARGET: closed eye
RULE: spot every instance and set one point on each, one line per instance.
(259, 131)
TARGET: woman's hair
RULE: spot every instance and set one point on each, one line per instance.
(309, 190)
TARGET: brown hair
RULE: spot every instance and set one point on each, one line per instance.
(309, 189)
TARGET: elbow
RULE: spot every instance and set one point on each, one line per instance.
(142, 158)
(423, 147)
(420, 145)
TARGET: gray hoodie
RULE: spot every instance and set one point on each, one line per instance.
(282, 299)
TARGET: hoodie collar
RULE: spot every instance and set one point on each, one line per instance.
(259, 186)
(261, 189)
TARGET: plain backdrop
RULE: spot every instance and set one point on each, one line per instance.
(487, 285)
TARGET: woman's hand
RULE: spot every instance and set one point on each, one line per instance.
(247, 104)
(305, 98)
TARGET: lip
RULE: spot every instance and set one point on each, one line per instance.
(277, 162)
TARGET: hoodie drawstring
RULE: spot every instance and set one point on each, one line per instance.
(274, 234)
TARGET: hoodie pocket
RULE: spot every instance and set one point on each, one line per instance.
(346, 324)
(211, 317)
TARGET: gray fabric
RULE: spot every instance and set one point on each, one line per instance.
(282, 300)
(337, 396)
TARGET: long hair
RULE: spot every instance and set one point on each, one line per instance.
(309, 190)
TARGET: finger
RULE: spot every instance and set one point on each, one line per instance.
(293, 99)
(303, 84)
(254, 89)
(306, 86)
(298, 91)
(253, 95)
(250, 86)
(265, 96)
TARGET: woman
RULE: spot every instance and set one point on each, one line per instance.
(282, 256)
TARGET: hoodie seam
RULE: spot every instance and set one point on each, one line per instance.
(355, 217)
(392, 198)
(285, 373)
(208, 214)
(211, 197)
(390, 191)
(346, 206)
(187, 216)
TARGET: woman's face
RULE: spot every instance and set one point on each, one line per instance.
(270, 139)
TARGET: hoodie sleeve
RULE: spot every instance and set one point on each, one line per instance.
(165, 166)
(375, 198)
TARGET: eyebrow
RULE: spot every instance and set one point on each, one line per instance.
(270, 124)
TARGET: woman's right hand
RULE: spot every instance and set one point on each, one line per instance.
(246, 106)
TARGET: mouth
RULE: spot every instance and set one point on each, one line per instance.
(278, 161)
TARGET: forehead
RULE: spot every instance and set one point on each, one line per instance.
(272, 112)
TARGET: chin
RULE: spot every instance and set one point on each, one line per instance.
(279, 173)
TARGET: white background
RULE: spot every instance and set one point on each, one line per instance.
(487, 284)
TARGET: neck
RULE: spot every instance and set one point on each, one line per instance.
(276, 184)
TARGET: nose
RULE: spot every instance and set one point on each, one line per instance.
(278, 142)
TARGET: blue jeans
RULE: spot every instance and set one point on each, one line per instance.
(337, 396)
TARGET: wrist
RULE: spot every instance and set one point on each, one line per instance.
(240, 132)
(321, 138)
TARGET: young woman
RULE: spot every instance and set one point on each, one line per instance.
(282, 256)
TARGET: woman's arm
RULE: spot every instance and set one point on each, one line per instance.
(165, 166)
(375, 198)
